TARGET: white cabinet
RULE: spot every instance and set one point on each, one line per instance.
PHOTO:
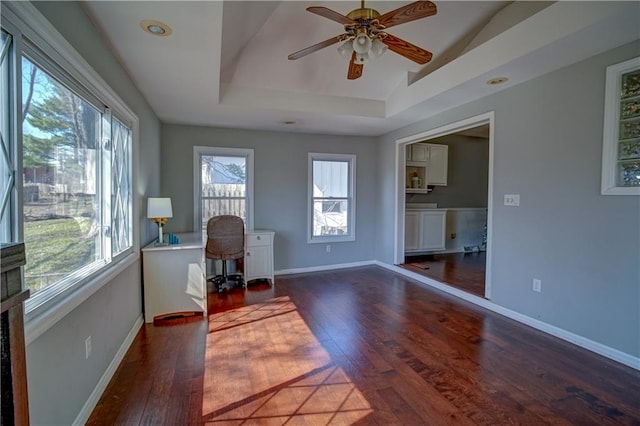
(432, 229)
(174, 278)
(428, 163)
(418, 152)
(438, 165)
(258, 256)
(411, 230)
(424, 230)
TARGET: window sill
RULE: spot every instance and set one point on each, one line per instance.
(45, 316)
(331, 239)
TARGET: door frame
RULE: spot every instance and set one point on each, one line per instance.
(455, 127)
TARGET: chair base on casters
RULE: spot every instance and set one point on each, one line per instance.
(228, 282)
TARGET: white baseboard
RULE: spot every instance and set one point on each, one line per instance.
(583, 342)
(93, 399)
(324, 267)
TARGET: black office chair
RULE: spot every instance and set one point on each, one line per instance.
(225, 241)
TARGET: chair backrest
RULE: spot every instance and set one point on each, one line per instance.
(225, 237)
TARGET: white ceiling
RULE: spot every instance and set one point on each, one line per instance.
(225, 64)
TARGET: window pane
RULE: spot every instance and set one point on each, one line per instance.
(216, 207)
(330, 178)
(61, 175)
(121, 196)
(332, 197)
(223, 186)
(330, 217)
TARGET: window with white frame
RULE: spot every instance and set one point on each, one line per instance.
(67, 155)
(331, 197)
(223, 184)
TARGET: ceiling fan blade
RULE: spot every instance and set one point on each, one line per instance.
(355, 70)
(330, 14)
(408, 13)
(406, 49)
(304, 52)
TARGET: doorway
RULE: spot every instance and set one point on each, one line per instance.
(465, 262)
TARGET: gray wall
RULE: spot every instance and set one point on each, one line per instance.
(585, 247)
(280, 187)
(467, 175)
(60, 380)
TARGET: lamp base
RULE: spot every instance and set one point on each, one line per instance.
(160, 234)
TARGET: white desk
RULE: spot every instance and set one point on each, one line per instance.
(175, 275)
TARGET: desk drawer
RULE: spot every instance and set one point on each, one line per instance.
(256, 240)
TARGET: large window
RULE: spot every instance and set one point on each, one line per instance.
(66, 164)
(331, 197)
(223, 184)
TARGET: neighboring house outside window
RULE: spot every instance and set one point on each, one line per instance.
(331, 198)
(223, 184)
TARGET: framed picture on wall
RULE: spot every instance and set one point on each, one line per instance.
(621, 143)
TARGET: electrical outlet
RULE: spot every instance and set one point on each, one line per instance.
(537, 285)
(328, 248)
(512, 199)
(87, 347)
(453, 235)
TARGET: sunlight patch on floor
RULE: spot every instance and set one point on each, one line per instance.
(273, 370)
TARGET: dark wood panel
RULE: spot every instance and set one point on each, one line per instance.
(360, 346)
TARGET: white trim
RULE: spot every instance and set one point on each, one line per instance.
(231, 152)
(38, 321)
(351, 215)
(325, 267)
(608, 185)
(486, 118)
(583, 342)
(93, 399)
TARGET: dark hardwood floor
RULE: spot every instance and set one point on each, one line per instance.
(361, 346)
(464, 271)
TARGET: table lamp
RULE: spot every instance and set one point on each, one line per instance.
(159, 210)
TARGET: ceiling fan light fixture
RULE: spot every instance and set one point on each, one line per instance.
(346, 48)
(362, 43)
(378, 47)
(361, 58)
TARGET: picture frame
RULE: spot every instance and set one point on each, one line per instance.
(621, 133)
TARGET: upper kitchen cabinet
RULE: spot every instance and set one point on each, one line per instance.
(418, 152)
(426, 164)
(438, 165)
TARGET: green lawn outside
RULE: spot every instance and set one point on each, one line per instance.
(56, 247)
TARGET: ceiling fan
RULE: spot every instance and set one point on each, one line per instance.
(365, 34)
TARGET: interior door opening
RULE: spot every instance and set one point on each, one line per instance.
(444, 204)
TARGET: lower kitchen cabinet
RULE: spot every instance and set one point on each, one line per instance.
(425, 230)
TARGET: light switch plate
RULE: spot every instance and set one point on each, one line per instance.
(512, 199)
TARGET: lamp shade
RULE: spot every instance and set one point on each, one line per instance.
(346, 48)
(378, 47)
(362, 43)
(159, 208)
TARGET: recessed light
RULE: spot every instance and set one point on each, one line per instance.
(497, 80)
(155, 27)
